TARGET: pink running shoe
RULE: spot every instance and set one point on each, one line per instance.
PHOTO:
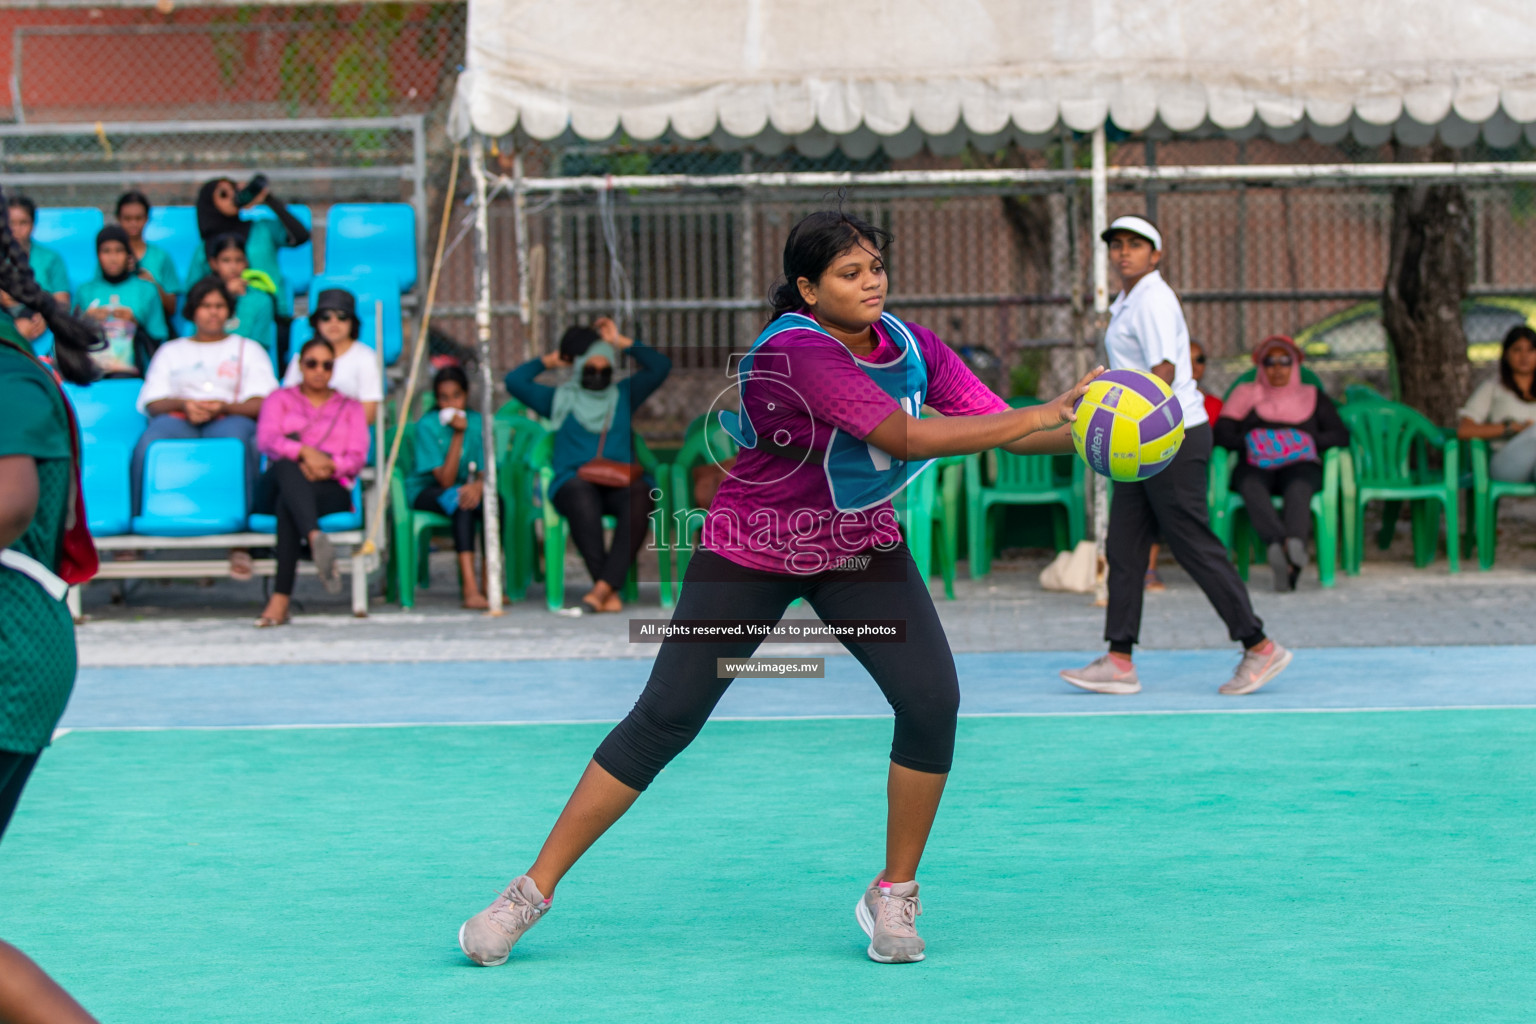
(488, 937)
(888, 915)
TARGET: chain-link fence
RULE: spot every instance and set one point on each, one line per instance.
(1002, 273)
(259, 61)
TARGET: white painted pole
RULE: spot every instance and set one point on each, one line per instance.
(1100, 201)
(489, 499)
(524, 275)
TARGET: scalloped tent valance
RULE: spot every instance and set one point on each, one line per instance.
(890, 72)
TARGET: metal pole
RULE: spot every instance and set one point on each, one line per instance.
(524, 281)
(1305, 174)
(419, 188)
(746, 265)
(489, 499)
(1100, 184)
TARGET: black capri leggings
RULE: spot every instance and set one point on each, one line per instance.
(916, 675)
(464, 519)
(298, 503)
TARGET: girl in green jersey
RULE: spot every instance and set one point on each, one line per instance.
(37, 637)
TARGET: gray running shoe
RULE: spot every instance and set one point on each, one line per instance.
(1296, 553)
(488, 937)
(889, 917)
(324, 554)
(1255, 670)
(1102, 675)
(1280, 565)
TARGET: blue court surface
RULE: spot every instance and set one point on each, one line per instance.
(603, 690)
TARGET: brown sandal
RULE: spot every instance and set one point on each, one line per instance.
(241, 565)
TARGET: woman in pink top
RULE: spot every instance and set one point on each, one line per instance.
(829, 407)
(316, 441)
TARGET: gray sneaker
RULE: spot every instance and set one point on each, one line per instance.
(889, 917)
(1281, 566)
(1102, 675)
(488, 937)
(324, 554)
(1255, 670)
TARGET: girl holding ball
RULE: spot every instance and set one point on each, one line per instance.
(828, 430)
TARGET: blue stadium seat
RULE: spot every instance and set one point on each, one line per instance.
(297, 262)
(71, 231)
(298, 334)
(368, 289)
(365, 238)
(104, 479)
(336, 522)
(193, 488)
(174, 229)
(107, 411)
(43, 346)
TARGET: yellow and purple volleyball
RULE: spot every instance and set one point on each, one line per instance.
(1129, 425)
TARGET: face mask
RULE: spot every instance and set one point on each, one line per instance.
(596, 379)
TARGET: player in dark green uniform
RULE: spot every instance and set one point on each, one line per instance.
(37, 636)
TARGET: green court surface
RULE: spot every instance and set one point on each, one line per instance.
(1362, 867)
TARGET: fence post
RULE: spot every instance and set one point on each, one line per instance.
(419, 189)
(524, 282)
(489, 498)
(1100, 181)
(746, 259)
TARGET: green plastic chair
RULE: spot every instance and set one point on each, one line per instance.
(930, 504)
(1362, 393)
(516, 480)
(1021, 480)
(684, 519)
(556, 533)
(1389, 448)
(412, 528)
(1230, 522)
(1485, 496)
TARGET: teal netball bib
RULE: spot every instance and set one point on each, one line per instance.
(859, 475)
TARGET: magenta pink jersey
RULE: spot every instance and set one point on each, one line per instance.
(776, 515)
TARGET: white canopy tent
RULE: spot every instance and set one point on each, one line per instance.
(899, 75)
(892, 72)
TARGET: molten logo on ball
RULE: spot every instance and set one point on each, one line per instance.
(1129, 425)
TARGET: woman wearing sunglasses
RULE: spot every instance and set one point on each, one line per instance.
(316, 441)
(219, 204)
(334, 318)
(1280, 427)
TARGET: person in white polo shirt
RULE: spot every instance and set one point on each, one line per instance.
(356, 373)
(1147, 332)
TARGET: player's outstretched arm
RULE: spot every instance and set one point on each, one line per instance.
(904, 437)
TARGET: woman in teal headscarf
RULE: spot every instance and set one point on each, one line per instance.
(589, 410)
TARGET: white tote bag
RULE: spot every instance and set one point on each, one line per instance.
(1074, 571)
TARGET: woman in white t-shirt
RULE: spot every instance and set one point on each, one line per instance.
(208, 385)
(1503, 408)
(356, 374)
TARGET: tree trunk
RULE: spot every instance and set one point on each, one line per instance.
(1427, 277)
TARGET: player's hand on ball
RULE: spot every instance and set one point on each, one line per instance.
(1062, 409)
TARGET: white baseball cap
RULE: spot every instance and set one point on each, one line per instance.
(1136, 226)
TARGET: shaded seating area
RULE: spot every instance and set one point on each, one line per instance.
(194, 507)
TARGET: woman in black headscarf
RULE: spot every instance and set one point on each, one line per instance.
(219, 203)
(125, 305)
